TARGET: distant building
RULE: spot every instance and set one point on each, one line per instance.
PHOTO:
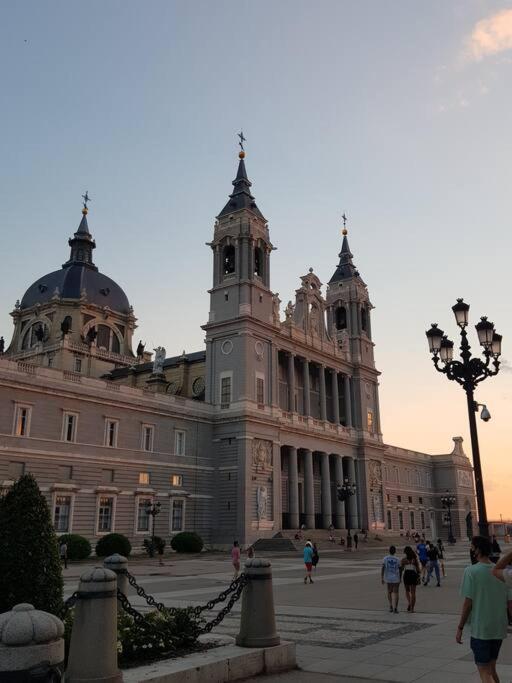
(245, 438)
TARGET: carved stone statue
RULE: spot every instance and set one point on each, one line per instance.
(39, 333)
(262, 501)
(140, 349)
(288, 311)
(375, 473)
(158, 362)
(91, 335)
(2, 344)
(65, 326)
(276, 302)
(261, 454)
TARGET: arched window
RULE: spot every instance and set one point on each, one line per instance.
(37, 332)
(228, 259)
(364, 319)
(107, 339)
(341, 318)
(258, 261)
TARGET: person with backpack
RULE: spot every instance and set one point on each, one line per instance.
(433, 564)
(308, 561)
(315, 557)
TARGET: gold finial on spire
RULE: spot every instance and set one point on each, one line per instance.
(344, 231)
(241, 154)
(86, 199)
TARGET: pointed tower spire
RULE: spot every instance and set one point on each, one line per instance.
(82, 242)
(241, 197)
(345, 268)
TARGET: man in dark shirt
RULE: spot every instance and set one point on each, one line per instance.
(433, 564)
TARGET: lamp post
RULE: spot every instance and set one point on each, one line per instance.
(153, 509)
(344, 491)
(469, 372)
(447, 502)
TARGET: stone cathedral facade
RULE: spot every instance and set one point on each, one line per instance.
(242, 439)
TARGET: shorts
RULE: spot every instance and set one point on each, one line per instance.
(393, 587)
(309, 566)
(423, 563)
(410, 577)
(485, 651)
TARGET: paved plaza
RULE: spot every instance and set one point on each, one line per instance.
(340, 624)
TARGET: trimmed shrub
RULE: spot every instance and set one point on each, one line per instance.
(30, 567)
(154, 545)
(187, 542)
(79, 547)
(113, 543)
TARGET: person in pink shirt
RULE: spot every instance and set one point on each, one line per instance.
(235, 559)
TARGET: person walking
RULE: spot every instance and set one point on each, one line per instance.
(235, 559)
(440, 549)
(495, 550)
(63, 551)
(433, 564)
(356, 540)
(315, 557)
(422, 551)
(411, 576)
(390, 575)
(503, 572)
(308, 561)
(485, 607)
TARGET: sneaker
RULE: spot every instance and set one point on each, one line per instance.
(305, 579)
(408, 608)
(439, 585)
(395, 611)
(390, 609)
(310, 580)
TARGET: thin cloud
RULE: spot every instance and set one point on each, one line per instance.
(491, 36)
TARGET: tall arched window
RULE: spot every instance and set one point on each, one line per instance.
(341, 318)
(258, 261)
(364, 319)
(37, 332)
(107, 339)
(228, 260)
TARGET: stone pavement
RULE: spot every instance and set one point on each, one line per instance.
(340, 624)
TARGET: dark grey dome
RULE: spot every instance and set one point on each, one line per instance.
(100, 289)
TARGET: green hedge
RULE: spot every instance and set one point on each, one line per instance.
(154, 545)
(187, 542)
(113, 543)
(79, 547)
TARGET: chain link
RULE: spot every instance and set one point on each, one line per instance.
(233, 587)
(241, 582)
(126, 605)
(67, 605)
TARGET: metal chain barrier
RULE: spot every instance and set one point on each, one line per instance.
(233, 587)
(241, 582)
(127, 606)
(67, 605)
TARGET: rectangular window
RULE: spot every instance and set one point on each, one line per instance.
(369, 420)
(143, 514)
(413, 523)
(111, 429)
(390, 524)
(69, 426)
(65, 472)
(105, 514)
(177, 515)
(176, 480)
(387, 497)
(410, 499)
(62, 514)
(421, 501)
(400, 519)
(22, 420)
(422, 514)
(78, 365)
(260, 390)
(16, 470)
(179, 442)
(148, 432)
(50, 361)
(399, 499)
(225, 392)
(144, 478)
(107, 476)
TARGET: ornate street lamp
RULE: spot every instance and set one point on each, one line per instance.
(468, 372)
(447, 502)
(153, 509)
(344, 491)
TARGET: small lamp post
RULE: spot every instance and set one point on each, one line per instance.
(447, 502)
(153, 509)
(344, 491)
(469, 372)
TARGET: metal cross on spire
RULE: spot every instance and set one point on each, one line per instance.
(344, 220)
(242, 140)
(86, 198)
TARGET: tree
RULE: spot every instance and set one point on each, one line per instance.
(30, 567)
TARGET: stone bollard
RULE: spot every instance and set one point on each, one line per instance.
(93, 648)
(31, 645)
(118, 564)
(258, 619)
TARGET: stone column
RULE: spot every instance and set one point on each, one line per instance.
(119, 565)
(291, 383)
(216, 265)
(348, 401)
(257, 618)
(309, 491)
(335, 397)
(293, 488)
(352, 516)
(326, 491)
(340, 505)
(307, 395)
(323, 398)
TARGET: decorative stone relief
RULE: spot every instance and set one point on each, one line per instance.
(259, 349)
(226, 347)
(198, 386)
(158, 363)
(261, 455)
(464, 478)
(375, 474)
(261, 502)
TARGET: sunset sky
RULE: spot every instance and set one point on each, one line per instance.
(397, 113)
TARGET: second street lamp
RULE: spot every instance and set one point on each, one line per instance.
(447, 502)
(343, 492)
(152, 510)
(469, 372)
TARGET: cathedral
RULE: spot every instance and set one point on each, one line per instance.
(273, 425)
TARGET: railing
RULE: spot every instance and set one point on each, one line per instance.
(29, 368)
(72, 376)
